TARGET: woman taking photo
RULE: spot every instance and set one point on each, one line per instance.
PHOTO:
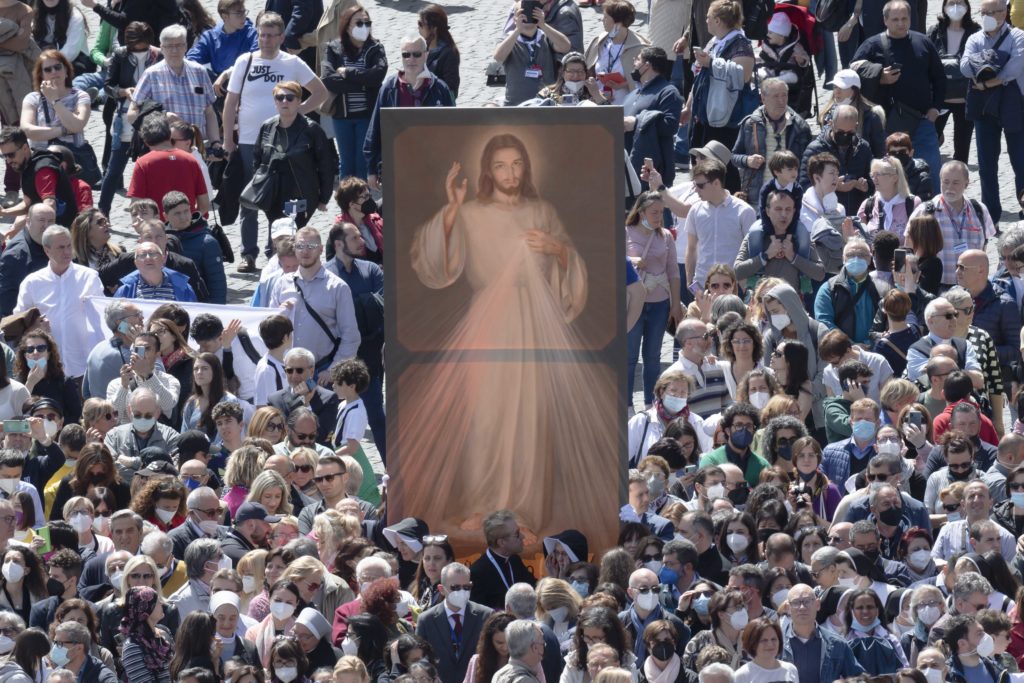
(147, 649)
(353, 69)
(90, 240)
(729, 44)
(491, 650)
(295, 150)
(437, 553)
(161, 502)
(892, 204)
(825, 495)
(93, 469)
(443, 55)
(762, 641)
(651, 249)
(38, 366)
(56, 113)
(177, 358)
(670, 397)
(23, 581)
(924, 237)
(949, 36)
(207, 391)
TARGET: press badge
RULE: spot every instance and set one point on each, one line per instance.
(960, 248)
(534, 71)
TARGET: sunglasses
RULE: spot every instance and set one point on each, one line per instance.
(38, 348)
(305, 469)
(949, 316)
(651, 558)
(110, 416)
(362, 23)
(305, 437)
(292, 371)
(416, 55)
(215, 512)
(876, 477)
(951, 508)
(285, 97)
(326, 477)
(1015, 485)
(646, 589)
(962, 467)
(276, 427)
(54, 67)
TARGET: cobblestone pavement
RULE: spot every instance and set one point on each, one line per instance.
(476, 26)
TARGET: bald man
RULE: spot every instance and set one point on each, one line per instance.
(820, 655)
(645, 594)
(994, 310)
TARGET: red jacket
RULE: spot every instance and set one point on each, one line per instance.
(341, 615)
(941, 424)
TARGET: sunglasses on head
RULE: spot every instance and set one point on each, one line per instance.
(285, 97)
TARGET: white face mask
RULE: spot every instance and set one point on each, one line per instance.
(673, 404)
(101, 525)
(349, 646)
(574, 86)
(737, 542)
(50, 428)
(989, 24)
(846, 582)
(646, 601)
(248, 584)
(956, 12)
(115, 579)
(559, 614)
(614, 33)
(81, 522)
(209, 527)
(458, 599)
(919, 558)
(9, 486)
(281, 610)
(758, 399)
(830, 201)
(780, 596)
(780, 321)
(225, 563)
(13, 572)
(845, 100)
(933, 675)
(164, 516)
(986, 646)
(738, 619)
(6, 645)
(361, 33)
(716, 491)
(928, 615)
(287, 674)
(654, 565)
(888, 448)
(401, 608)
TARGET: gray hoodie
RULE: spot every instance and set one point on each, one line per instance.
(808, 331)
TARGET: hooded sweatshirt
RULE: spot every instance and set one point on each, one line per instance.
(809, 332)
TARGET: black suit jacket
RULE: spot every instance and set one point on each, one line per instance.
(324, 405)
(488, 588)
(183, 534)
(434, 627)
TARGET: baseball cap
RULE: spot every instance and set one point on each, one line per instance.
(846, 78)
(252, 510)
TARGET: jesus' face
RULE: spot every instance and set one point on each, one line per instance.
(507, 169)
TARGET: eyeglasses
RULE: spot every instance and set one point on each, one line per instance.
(435, 538)
(463, 587)
(966, 311)
(802, 604)
(215, 512)
(415, 55)
(930, 603)
(651, 558)
(38, 348)
(292, 371)
(279, 427)
(644, 590)
(52, 68)
(8, 519)
(285, 97)
(101, 221)
(9, 155)
(742, 342)
(307, 246)
(324, 477)
(148, 255)
(64, 643)
(361, 23)
(948, 316)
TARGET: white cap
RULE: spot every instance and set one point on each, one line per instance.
(847, 78)
(221, 598)
(780, 24)
(282, 227)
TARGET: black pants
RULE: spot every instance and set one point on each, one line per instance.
(963, 131)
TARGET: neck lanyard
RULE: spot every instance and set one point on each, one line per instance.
(490, 556)
(618, 55)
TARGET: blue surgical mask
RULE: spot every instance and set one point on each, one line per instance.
(582, 588)
(36, 362)
(1017, 497)
(668, 576)
(856, 266)
(123, 327)
(59, 655)
(192, 484)
(700, 605)
(857, 626)
(863, 430)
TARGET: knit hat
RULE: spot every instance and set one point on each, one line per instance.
(780, 24)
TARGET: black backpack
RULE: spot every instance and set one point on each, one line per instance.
(756, 15)
(137, 147)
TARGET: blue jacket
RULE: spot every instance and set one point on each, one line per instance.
(913, 510)
(996, 312)
(179, 284)
(199, 245)
(656, 106)
(437, 95)
(835, 460)
(219, 50)
(837, 660)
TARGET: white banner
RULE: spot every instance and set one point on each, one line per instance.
(250, 317)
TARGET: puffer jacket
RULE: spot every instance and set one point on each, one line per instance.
(365, 82)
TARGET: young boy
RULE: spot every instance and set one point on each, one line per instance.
(784, 167)
(351, 378)
(276, 333)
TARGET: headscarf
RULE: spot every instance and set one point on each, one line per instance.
(139, 604)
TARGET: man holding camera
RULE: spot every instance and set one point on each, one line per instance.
(141, 371)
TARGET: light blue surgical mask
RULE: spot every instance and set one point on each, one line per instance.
(1017, 497)
(700, 605)
(856, 266)
(36, 362)
(59, 655)
(857, 626)
(582, 588)
(863, 430)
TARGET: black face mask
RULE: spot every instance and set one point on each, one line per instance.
(662, 651)
(764, 534)
(369, 206)
(891, 517)
(54, 588)
(903, 157)
(635, 75)
(739, 495)
(961, 475)
(843, 137)
(784, 451)
(873, 555)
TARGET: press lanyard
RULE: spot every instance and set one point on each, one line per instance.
(490, 557)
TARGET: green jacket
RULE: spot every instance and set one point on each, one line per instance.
(837, 418)
(755, 463)
(103, 46)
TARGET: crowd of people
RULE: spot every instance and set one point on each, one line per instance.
(826, 483)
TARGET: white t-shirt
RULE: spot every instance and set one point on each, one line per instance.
(752, 673)
(352, 422)
(257, 99)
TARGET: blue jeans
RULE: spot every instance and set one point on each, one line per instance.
(826, 60)
(113, 179)
(926, 146)
(648, 333)
(250, 217)
(988, 132)
(350, 134)
(94, 80)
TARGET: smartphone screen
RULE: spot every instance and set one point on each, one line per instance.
(915, 418)
(16, 427)
(44, 533)
(899, 260)
(528, 7)
(139, 350)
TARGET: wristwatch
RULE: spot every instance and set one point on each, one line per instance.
(662, 188)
